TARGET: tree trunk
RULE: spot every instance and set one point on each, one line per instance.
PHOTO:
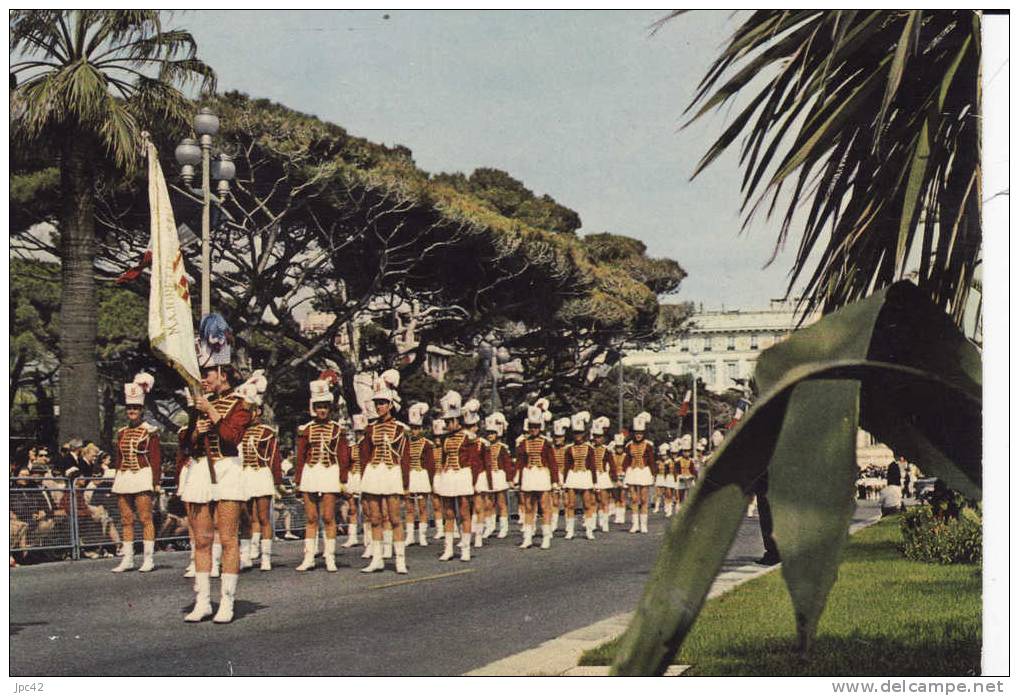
(78, 376)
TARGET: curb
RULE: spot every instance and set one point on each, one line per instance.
(559, 656)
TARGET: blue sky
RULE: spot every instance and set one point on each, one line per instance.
(584, 106)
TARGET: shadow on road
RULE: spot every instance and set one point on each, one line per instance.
(17, 628)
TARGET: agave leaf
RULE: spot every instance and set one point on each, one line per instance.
(893, 361)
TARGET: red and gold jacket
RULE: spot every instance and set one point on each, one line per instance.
(260, 448)
(618, 462)
(460, 452)
(580, 456)
(422, 455)
(321, 443)
(481, 450)
(685, 467)
(497, 456)
(385, 443)
(640, 454)
(535, 452)
(138, 448)
(222, 439)
(602, 460)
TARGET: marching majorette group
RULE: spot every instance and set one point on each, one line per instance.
(229, 469)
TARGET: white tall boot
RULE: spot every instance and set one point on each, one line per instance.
(439, 527)
(635, 527)
(658, 504)
(620, 514)
(528, 537)
(377, 563)
(490, 525)
(400, 548)
(367, 541)
(387, 543)
(447, 551)
(309, 556)
(330, 546)
(570, 522)
(217, 556)
(203, 601)
(643, 523)
(245, 553)
(456, 530)
(422, 533)
(127, 562)
(503, 526)
(148, 553)
(478, 537)
(256, 546)
(546, 536)
(227, 592)
(465, 547)
(408, 533)
(266, 563)
(351, 535)
(589, 527)
(555, 520)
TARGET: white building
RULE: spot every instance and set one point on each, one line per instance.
(722, 346)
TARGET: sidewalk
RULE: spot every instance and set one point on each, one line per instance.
(559, 657)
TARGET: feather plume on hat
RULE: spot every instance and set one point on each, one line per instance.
(214, 341)
(599, 425)
(451, 404)
(253, 389)
(135, 391)
(640, 421)
(470, 412)
(580, 421)
(416, 413)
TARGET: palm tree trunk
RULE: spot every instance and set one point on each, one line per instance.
(78, 377)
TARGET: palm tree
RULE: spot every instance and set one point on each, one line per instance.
(86, 82)
(871, 121)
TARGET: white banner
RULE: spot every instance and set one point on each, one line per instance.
(171, 326)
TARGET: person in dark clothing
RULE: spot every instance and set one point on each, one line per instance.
(770, 556)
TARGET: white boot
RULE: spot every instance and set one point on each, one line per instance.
(643, 523)
(490, 526)
(387, 543)
(189, 572)
(227, 592)
(256, 546)
(203, 602)
(635, 527)
(266, 555)
(309, 556)
(528, 537)
(422, 533)
(217, 555)
(351, 535)
(377, 563)
(503, 526)
(127, 562)
(555, 520)
(245, 554)
(408, 533)
(400, 548)
(570, 522)
(367, 541)
(589, 527)
(456, 530)
(330, 545)
(447, 552)
(148, 552)
(314, 545)
(478, 537)
(465, 547)
(546, 536)
(603, 521)
(439, 529)
(620, 514)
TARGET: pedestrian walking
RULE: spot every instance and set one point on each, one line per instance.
(454, 482)
(260, 456)
(499, 464)
(640, 469)
(422, 473)
(536, 471)
(603, 484)
(580, 476)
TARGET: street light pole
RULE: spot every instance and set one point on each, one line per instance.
(619, 427)
(206, 232)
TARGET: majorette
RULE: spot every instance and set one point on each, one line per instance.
(260, 456)
(536, 470)
(580, 475)
(323, 458)
(385, 477)
(640, 470)
(455, 481)
(560, 427)
(215, 431)
(500, 464)
(422, 473)
(603, 470)
(619, 489)
(137, 461)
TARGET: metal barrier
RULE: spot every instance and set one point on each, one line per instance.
(55, 518)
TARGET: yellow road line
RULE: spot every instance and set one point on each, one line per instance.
(411, 581)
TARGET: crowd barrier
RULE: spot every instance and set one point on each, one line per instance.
(55, 518)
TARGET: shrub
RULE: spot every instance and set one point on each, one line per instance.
(936, 538)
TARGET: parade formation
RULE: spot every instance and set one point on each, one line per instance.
(383, 471)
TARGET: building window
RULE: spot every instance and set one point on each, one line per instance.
(708, 343)
(732, 370)
(731, 343)
(753, 341)
(709, 373)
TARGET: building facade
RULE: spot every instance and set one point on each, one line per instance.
(722, 346)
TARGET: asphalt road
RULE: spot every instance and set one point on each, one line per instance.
(444, 618)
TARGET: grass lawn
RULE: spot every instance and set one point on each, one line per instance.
(886, 616)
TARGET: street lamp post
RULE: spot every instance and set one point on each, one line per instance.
(189, 153)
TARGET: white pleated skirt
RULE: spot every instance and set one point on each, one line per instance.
(536, 479)
(195, 483)
(579, 480)
(379, 479)
(639, 476)
(320, 479)
(229, 483)
(604, 482)
(128, 482)
(258, 481)
(685, 483)
(454, 483)
(499, 482)
(353, 486)
(419, 482)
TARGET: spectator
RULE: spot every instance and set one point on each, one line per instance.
(32, 502)
(100, 496)
(89, 518)
(87, 459)
(70, 455)
(891, 494)
(175, 523)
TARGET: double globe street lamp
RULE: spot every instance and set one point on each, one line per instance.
(189, 153)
